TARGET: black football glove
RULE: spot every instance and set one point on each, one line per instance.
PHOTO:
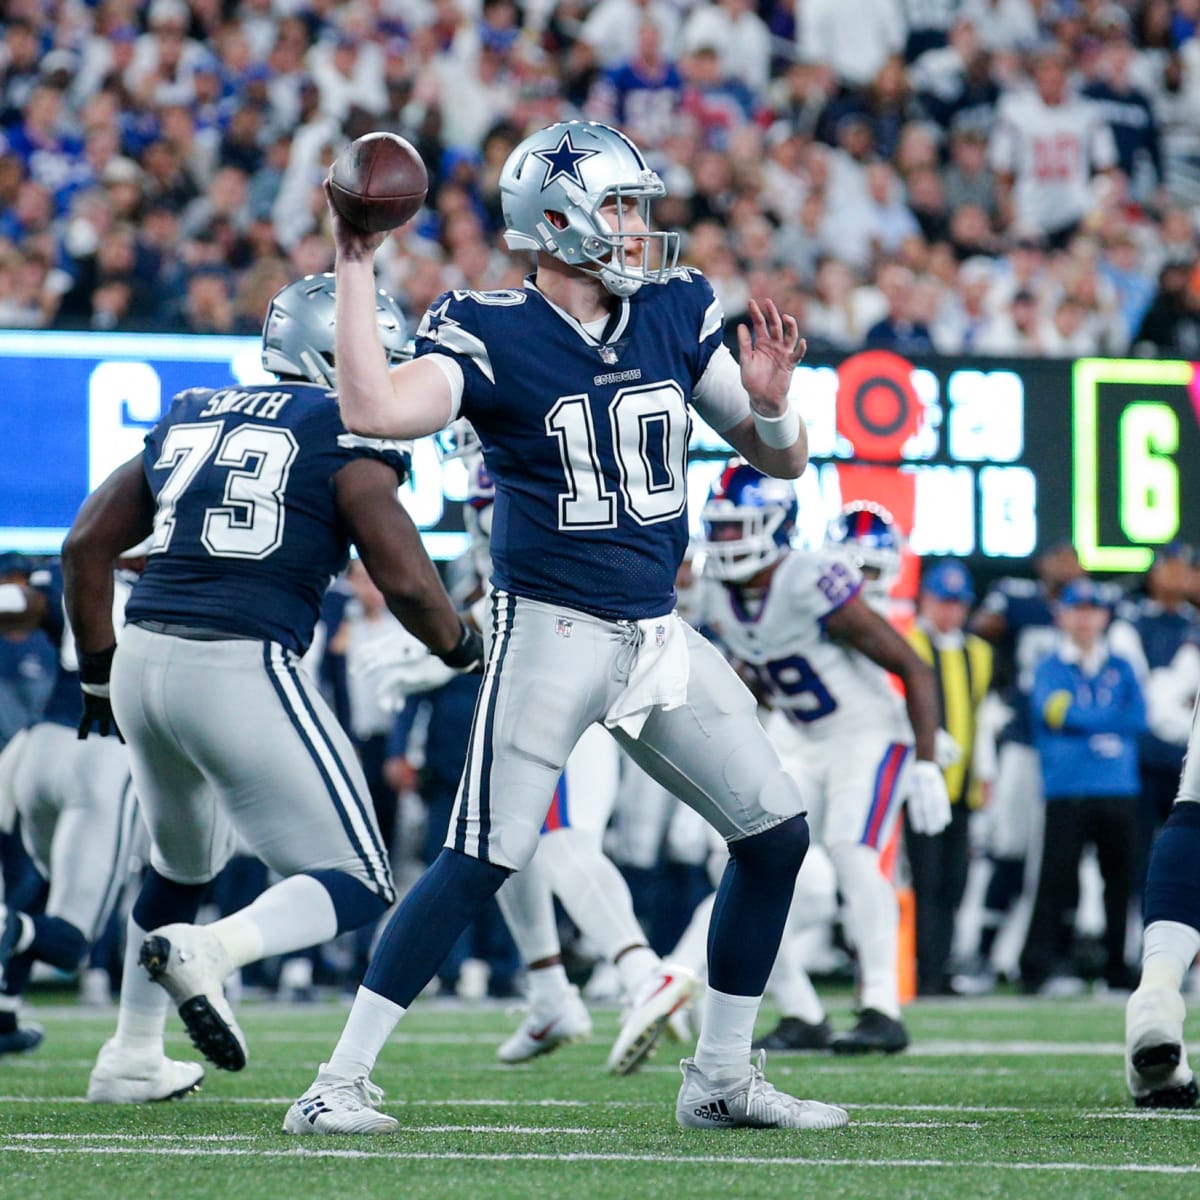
(94, 670)
(468, 655)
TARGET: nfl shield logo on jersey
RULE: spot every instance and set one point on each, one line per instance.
(660, 635)
(607, 354)
(563, 627)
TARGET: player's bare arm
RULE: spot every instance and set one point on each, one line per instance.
(863, 628)
(770, 350)
(391, 550)
(407, 401)
(117, 515)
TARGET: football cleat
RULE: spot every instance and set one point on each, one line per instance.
(664, 993)
(190, 963)
(874, 1032)
(334, 1105)
(123, 1076)
(751, 1104)
(793, 1034)
(543, 1033)
(25, 1037)
(1156, 1064)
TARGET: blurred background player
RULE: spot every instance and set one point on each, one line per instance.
(250, 498)
(938, 862)
(820, 653)
(78, 815)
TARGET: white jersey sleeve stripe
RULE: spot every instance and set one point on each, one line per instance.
(719, 396)
(454, 377)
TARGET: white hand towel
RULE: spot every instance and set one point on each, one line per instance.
(659, 677)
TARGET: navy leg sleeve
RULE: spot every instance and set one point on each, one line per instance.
(425, 926)
(1173, 877)
(751, 907)
(161, 902)
(354, 903)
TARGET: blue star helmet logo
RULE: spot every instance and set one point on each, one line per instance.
(563, 161)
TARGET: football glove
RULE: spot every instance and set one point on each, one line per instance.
(928, 802)
(466, 657)
(94, 671)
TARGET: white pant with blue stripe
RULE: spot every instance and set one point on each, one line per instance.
(232, 739)
(79, 821)
(551, 673)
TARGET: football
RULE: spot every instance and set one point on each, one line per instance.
(378, 182)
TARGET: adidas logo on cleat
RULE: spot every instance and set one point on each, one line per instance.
(716, 1111)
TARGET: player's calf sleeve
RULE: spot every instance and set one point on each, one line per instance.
(58, 943)
(527, 905)
(873, 921)
(354, 904)
(1172, 890)
(751, 907)
(428, 922)
(162, 901)
(1006, 884)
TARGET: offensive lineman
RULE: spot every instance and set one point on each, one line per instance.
(251, 498)
(578, 386)
(799, 619)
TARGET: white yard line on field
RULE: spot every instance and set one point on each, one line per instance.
(676, 1160)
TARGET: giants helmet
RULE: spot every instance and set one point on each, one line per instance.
(873, 540)
(749, 520)
(573, 169)
(297, 336)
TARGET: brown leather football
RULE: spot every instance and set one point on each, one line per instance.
(378, 182)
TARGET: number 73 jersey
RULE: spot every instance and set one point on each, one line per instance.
(585, 433)
(825, 688)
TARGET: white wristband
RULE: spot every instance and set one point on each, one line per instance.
(778, 432)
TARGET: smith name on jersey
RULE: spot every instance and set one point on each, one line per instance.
(247, 535)
(826, 689)
(585, 432)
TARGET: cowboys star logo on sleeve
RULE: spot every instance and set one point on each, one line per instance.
(563, 161)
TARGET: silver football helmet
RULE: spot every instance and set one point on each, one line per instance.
(573, 169)
(297, 334)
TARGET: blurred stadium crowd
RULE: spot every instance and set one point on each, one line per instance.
(959, 176)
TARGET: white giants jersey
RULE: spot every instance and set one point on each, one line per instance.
(1053, 151)
(827, 690)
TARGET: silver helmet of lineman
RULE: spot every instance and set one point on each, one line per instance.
(297, 338)
(573, 169)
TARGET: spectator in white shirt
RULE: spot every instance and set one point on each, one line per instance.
(855, 37)
(611, 28)
(741, 37)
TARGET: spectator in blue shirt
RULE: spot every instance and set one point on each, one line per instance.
(1087, 710)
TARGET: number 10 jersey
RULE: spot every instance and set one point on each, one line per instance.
(585, 432)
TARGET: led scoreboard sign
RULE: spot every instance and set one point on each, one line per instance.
(982, 459)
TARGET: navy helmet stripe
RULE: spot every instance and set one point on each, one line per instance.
(288, 707)
(633, 148)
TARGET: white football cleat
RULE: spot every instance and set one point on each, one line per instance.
(542, 1033)
(751, 1104)
(190, 963)
(663, 994)
(122, 1076)
(334, 1105)
(1156, 1064)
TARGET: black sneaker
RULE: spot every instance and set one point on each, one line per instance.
(22, 1039)
(793, 1034)
(874, 1033)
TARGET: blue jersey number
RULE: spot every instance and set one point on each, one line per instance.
(793, 679)
(650, 428)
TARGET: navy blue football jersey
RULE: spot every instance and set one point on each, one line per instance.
(585, 436)
(247, 534)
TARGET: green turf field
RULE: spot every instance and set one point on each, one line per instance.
(1002, 1097)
